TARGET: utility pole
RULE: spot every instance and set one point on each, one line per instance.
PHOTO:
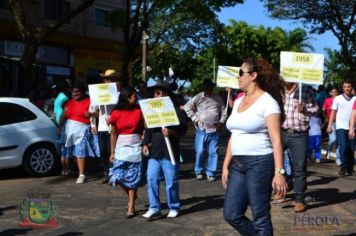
(144, 60)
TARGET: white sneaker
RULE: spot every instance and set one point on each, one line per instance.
(172, 213)
(200, 176)
(211, 178)
(151, 213)
(81, 179)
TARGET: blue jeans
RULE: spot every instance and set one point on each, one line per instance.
(314, 144)
(206, 142)
(346, 149)
(249, 183)
(298, 145)
(157, 167)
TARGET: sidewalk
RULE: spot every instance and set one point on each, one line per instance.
(96, 209)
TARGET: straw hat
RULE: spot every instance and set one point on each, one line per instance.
(109, 73)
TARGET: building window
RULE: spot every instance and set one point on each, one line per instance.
(4, 5)
(55, 9)
(101, 17)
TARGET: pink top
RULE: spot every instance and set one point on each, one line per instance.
(327, 107)
(240, 94)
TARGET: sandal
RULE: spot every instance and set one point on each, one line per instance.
(130, 215)
(278, 199)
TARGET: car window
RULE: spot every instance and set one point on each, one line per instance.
(12, 113)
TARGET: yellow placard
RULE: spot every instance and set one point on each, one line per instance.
(227, 77)
(104, 98)
(159, 112)
(153, 120)
(311, 75)
(302, 58)
(103, 87)
(169, 117)
(302, 67)
(156, 104)
(103, 94)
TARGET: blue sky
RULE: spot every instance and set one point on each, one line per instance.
(253, 13)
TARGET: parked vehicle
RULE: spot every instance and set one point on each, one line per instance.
(28, 137)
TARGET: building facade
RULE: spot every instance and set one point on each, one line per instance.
(78, 51)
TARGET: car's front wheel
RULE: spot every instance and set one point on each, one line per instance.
(40, 159)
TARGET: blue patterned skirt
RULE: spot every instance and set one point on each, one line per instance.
(127, 173)
(87, 147)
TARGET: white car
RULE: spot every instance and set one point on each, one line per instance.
(28, 137)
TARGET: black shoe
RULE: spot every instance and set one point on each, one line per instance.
(130, 215)
(351, 173)
(105, 180)
(342, 172)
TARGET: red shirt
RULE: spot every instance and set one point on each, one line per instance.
(75, 110)
(128, 121)
(327, 106)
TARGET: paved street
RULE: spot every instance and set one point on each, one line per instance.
(96, 209)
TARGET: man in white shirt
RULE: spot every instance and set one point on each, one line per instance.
(207, 111)
(342, 104)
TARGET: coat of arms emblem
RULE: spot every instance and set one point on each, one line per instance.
(37, 210)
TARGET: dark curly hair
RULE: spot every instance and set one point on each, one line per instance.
(125, 94)
(269, 80)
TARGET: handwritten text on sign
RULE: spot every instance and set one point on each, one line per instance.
(302, 67)
(103, 94)
(228, 77)
(159, 112)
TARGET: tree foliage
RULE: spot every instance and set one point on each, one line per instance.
(337, 16)
(335, 71)
(175, 27)
(238, 41)
(184, 35)
(243, 41)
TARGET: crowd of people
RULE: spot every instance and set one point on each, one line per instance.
(267, 117)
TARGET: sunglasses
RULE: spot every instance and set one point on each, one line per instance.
(241, 72)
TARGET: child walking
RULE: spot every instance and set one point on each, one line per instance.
(314, 143)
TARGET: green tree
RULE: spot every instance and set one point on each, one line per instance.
(241, 41)
(238, 41)
(335, 71)
(174, 27)
(33, 36)
(337, 16)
